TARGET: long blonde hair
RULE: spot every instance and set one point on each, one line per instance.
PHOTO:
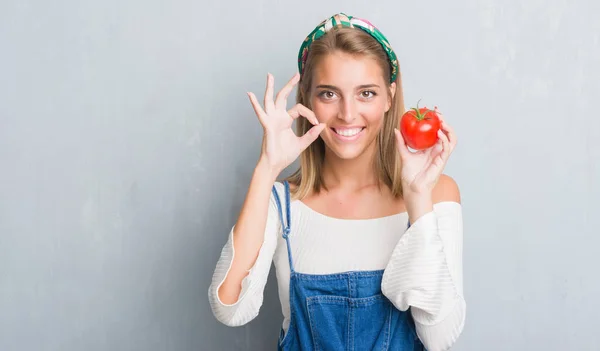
(387, 165)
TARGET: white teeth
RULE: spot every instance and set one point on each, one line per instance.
(348, 132)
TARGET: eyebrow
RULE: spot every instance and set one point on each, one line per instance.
(332, 87)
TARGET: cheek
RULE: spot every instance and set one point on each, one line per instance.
(324, 112)
(374, 113)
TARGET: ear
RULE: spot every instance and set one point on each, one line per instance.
(391, 96)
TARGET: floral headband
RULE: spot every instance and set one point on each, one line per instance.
(343, 20)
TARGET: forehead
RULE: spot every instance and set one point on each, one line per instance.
(345, 70)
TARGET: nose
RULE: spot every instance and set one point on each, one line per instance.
(347, 110)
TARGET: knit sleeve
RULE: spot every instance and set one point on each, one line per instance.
(250, 300)
(425, 274)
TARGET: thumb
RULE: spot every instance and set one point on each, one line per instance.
(311, 135)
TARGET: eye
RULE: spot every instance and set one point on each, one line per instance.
(327, 94)
(367, 94)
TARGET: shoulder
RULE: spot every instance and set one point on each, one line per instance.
(446, 190)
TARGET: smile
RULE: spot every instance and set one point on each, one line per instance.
(348, 134)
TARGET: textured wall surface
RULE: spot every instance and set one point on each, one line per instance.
(127, 143)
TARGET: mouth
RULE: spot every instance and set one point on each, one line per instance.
(348, 134)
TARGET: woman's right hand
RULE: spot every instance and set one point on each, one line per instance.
(281, 146)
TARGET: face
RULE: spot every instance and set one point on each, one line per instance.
(350, 95)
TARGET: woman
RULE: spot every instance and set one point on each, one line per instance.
(366, 236)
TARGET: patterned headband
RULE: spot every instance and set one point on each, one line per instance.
(343, 20)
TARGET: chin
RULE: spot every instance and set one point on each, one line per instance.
(347, 153)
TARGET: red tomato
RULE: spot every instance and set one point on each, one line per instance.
(419, 127)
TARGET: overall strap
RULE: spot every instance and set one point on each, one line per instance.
(286, 226)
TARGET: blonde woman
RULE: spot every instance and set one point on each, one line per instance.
(366, 236)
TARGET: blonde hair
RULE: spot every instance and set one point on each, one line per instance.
(386, 164)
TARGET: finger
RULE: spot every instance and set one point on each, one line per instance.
(311, 136)
(402, 147)
(439, 113)
(438, 161)
(437, 164)
(257, 108)
(445, 145)
(450, 133)
(269, 106)
(435, 149)
(284, 93)
(301, 110)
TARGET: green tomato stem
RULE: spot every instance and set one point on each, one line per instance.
(420, 116)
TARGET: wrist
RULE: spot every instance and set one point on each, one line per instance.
(265, 169)
(417, 204)
(416, 188)
(417, 194)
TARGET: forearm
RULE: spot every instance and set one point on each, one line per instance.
(248, 233)
(417, 204)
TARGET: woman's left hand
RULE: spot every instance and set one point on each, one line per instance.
(422, 169)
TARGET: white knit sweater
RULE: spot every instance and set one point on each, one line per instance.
(423, 264)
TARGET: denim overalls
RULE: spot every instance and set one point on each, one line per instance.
(342, 311)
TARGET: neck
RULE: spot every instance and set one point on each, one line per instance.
(353, 174)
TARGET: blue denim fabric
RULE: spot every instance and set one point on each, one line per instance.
(342, 311)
